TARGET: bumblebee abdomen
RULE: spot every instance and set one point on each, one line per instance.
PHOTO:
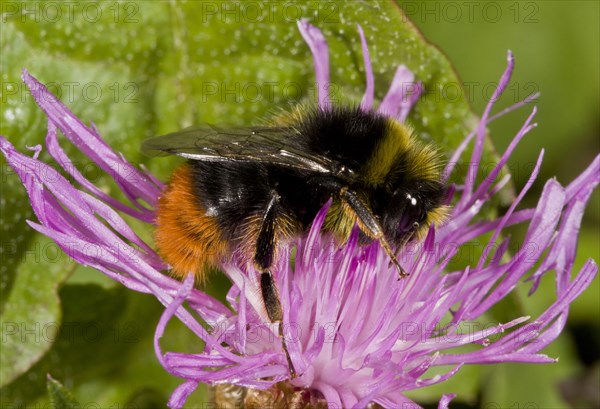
(187, 238)
(238, 194)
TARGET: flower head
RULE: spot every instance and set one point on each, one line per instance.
(355, 333)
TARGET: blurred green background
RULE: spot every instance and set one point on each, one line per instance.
(138, 68)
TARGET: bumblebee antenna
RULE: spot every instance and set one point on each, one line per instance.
(369, 225)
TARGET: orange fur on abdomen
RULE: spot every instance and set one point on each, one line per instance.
(187, 239)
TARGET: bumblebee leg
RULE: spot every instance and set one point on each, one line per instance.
(264, 257)
(369, 224)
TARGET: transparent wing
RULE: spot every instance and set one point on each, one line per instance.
(248, 144)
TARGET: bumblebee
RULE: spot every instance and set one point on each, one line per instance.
(246, 190)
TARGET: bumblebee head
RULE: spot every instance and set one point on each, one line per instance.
(405, 175)
(411, 208)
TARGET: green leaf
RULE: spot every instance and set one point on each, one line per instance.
(104, 351)
(60, 397)
(31, 317)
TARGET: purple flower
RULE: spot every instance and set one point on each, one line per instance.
(355, 333)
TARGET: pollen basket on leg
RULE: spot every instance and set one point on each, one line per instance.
(340, 220)
(249, 232)
(187, 239)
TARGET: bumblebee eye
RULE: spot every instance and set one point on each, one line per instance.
(411, 200)
(415, 211)
(410, 212)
